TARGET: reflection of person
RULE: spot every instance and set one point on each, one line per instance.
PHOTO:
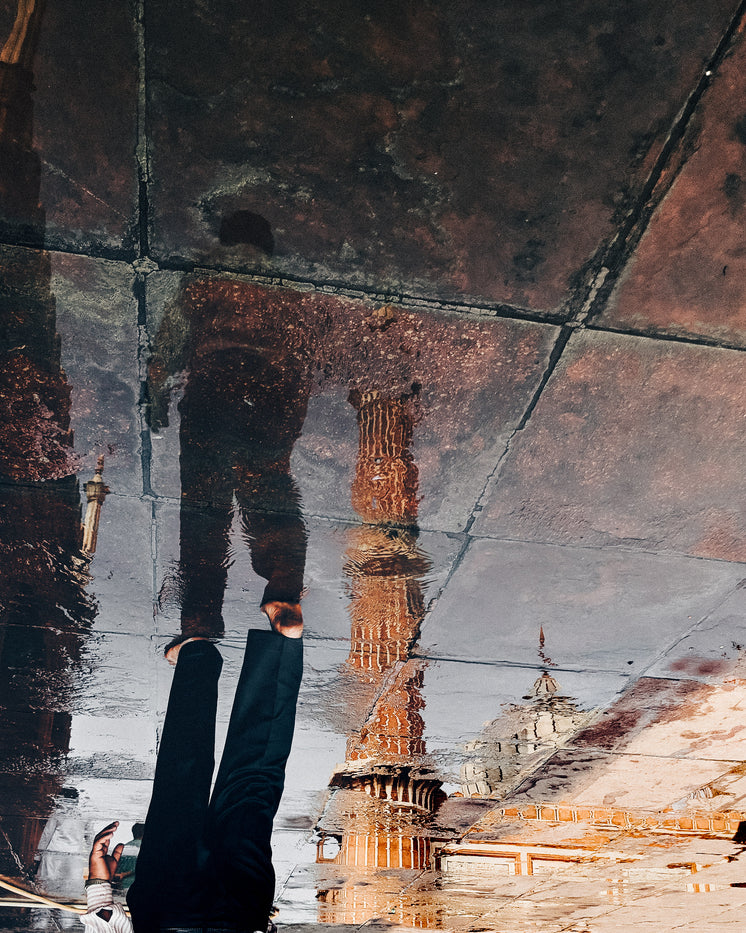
(243, 408)
(206, 860)
(126, 869)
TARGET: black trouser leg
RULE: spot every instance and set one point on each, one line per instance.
(252, 774)
(169, 883)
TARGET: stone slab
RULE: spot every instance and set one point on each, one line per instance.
(688, 274)
(451, 150)
(122, 568)
(73, 161)
(97, 324)
(634, 442)
(475, 379)
(600, 609)
(714, 649)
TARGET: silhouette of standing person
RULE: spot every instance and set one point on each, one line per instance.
(243, 408)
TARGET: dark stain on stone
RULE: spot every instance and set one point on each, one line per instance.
(247, 227)
(614, 57)
(733, 190)
(739, 130)
(702, 667)
(606, 734)
(530, 256)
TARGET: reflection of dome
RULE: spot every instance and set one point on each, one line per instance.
(543, 686)
(515, 742)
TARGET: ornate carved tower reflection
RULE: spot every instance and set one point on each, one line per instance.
(386, 761)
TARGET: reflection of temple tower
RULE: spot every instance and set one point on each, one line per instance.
(390, 791)
(96, 491)
(385, 568)
(516, 741)
(44, 607)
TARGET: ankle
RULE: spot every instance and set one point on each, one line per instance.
(285, 618)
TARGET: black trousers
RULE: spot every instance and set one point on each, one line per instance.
(206, 860)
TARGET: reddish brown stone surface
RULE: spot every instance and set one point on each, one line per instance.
(468, 381)
(68, 151)
(450, 150)
(633, 442)
(688, 276)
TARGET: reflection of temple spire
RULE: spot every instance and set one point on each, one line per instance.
(96, 491)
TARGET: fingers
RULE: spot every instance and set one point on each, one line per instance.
(117, 853)
(103, 837)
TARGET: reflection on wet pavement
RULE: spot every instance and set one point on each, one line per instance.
(232, 384)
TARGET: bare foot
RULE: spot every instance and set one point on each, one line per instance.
(172, 653)
(285, 618)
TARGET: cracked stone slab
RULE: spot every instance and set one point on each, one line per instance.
(600, 609)
(714, 649)
(327, 603)
(96, 318)
(589, 778)
(634, 442)
(121, 571)
(474, 379)
(688, 274)
(676, 718)
(72, 153)
(451, 151)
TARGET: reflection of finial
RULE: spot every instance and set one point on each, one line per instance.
(546, 661)
(96, 491)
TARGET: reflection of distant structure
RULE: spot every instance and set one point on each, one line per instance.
(514, 744)
(386, 759)
(385, 568)
(96, 491)
(44, 607)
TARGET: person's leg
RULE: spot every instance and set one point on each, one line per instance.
(252, 774)
(274, 529)
(170, 867)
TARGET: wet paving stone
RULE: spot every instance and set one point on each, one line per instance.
(590, 468)
(447, 150)
(598, 609)
(68, 136)
(466, 384)
(686, 277)
(520, 557)
(96, 319)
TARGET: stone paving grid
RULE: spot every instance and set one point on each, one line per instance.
(139, 270)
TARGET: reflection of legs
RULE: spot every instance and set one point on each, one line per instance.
(172, 853)
(205, 520)
(252, 774)
(273, 527)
